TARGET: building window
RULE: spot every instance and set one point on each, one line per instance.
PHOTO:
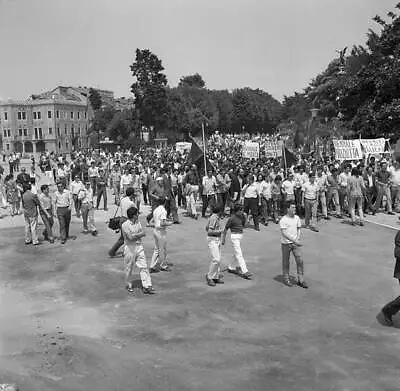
(24, 115)
(79, 115)
(20, 132)
(58, 114)
(9, 132)
(8, 147)
(65, 129)
(36, 133)
(72, 115)
(19, 115)
(40, 133)
(48, 114)
(34, 115)
(79, 130)
(39, 115)
(59, 145)
(66, 145)
(50, 130)
(5, 116)
(85, 114)
(25, 132)
(58, 131)
(5, 132)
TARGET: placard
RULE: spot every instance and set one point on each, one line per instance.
(347, 149)
(251, 150)
(372, 146)
(273, 148)
(183, 147)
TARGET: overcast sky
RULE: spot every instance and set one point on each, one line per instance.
(275, 45)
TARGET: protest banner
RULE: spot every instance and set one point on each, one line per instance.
(273, 148)
(251, 150)
(183, 147)
(372, 146)
(347, 149)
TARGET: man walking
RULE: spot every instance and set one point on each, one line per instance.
(101, 189)
(63, 202)
(86, 198)
(290, 226)
(30, 203)
(46, 213)
(310, 202)
(75, 187)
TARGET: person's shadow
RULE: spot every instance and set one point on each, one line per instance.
(281, 279)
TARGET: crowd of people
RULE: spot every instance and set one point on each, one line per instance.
(260, 191)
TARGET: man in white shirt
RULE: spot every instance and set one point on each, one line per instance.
(322, 182)
(85, 196)
(75, 187)
(209, 192)
(159, 259)
(93, 173)
(290, 226)
(288, 186)
(395, 186)
(342, 181)
(310, 202)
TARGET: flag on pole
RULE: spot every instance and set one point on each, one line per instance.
(196, 156)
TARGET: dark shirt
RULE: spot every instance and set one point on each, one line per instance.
(30, 203)
(382, 176)
(101, 181)
(193, 178)
(23, 177)
(236, 223)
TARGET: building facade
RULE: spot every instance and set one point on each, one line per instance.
(55, 121)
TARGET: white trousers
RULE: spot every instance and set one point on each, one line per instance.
(134, 255)
(237, 253)
(159, 257)
(31, 234)
(191, 200)
(214, 245)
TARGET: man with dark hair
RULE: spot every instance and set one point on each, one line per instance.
(382, 178)
(30, 203)
(159, 259)
(290, 226)
(126, 203)
(133, 233)
(46, 213)
(101, 189)
(63, 203)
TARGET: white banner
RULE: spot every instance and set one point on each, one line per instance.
(347, 149)
(372, 146)
(183, 146)
(251, 150)
(273, 148)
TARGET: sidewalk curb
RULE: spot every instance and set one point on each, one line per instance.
(382, 225)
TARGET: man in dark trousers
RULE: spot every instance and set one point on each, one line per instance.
(392, 308)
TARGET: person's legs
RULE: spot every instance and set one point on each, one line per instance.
(28, 233)
(299, 263)
(388, 199)
(215, 251)
(92, 225)
(359, 202)
(285, 260)
(322, 200)
(204, 206)
(237, 250)
(62, 223)
(67, 221)
(307, 212)
(352, 202)
(85, 214)
(254, 212)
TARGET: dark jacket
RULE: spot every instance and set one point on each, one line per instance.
(365, 177)
(235, 186)
(397, 255)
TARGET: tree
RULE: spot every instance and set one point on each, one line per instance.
(192, 81)
(95, 99)
(101, 120)
(149, 89)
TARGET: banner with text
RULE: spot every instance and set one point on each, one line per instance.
(251, 150)
(183, 147)
(347, 149)
(273, 148)
(372, 146)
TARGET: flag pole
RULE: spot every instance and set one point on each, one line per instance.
(284, 156)
(204, 149)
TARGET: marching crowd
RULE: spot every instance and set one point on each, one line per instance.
(263, 190)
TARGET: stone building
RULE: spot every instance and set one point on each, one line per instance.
(54, 121)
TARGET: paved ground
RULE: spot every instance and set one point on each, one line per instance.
(67, 323)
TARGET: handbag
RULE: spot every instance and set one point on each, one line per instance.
(115, 222)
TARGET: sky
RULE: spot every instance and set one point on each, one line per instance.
(275, 45)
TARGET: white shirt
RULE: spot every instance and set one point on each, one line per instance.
(343, 177)
(126, 179)
(266, 189)
(395, 177)
(126, 203)
(159, 215)
(251, 191)
(290, 226)
(310, 190)
(288, 187)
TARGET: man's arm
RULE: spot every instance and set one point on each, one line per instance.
(289, 237)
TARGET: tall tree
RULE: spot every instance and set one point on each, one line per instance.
(95, 99)
(192, 81)
(149, 89)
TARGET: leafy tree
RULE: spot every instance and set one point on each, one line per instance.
(101, 120)
(224, 104)
(149, 89)
(192, 81)
(95, 99)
